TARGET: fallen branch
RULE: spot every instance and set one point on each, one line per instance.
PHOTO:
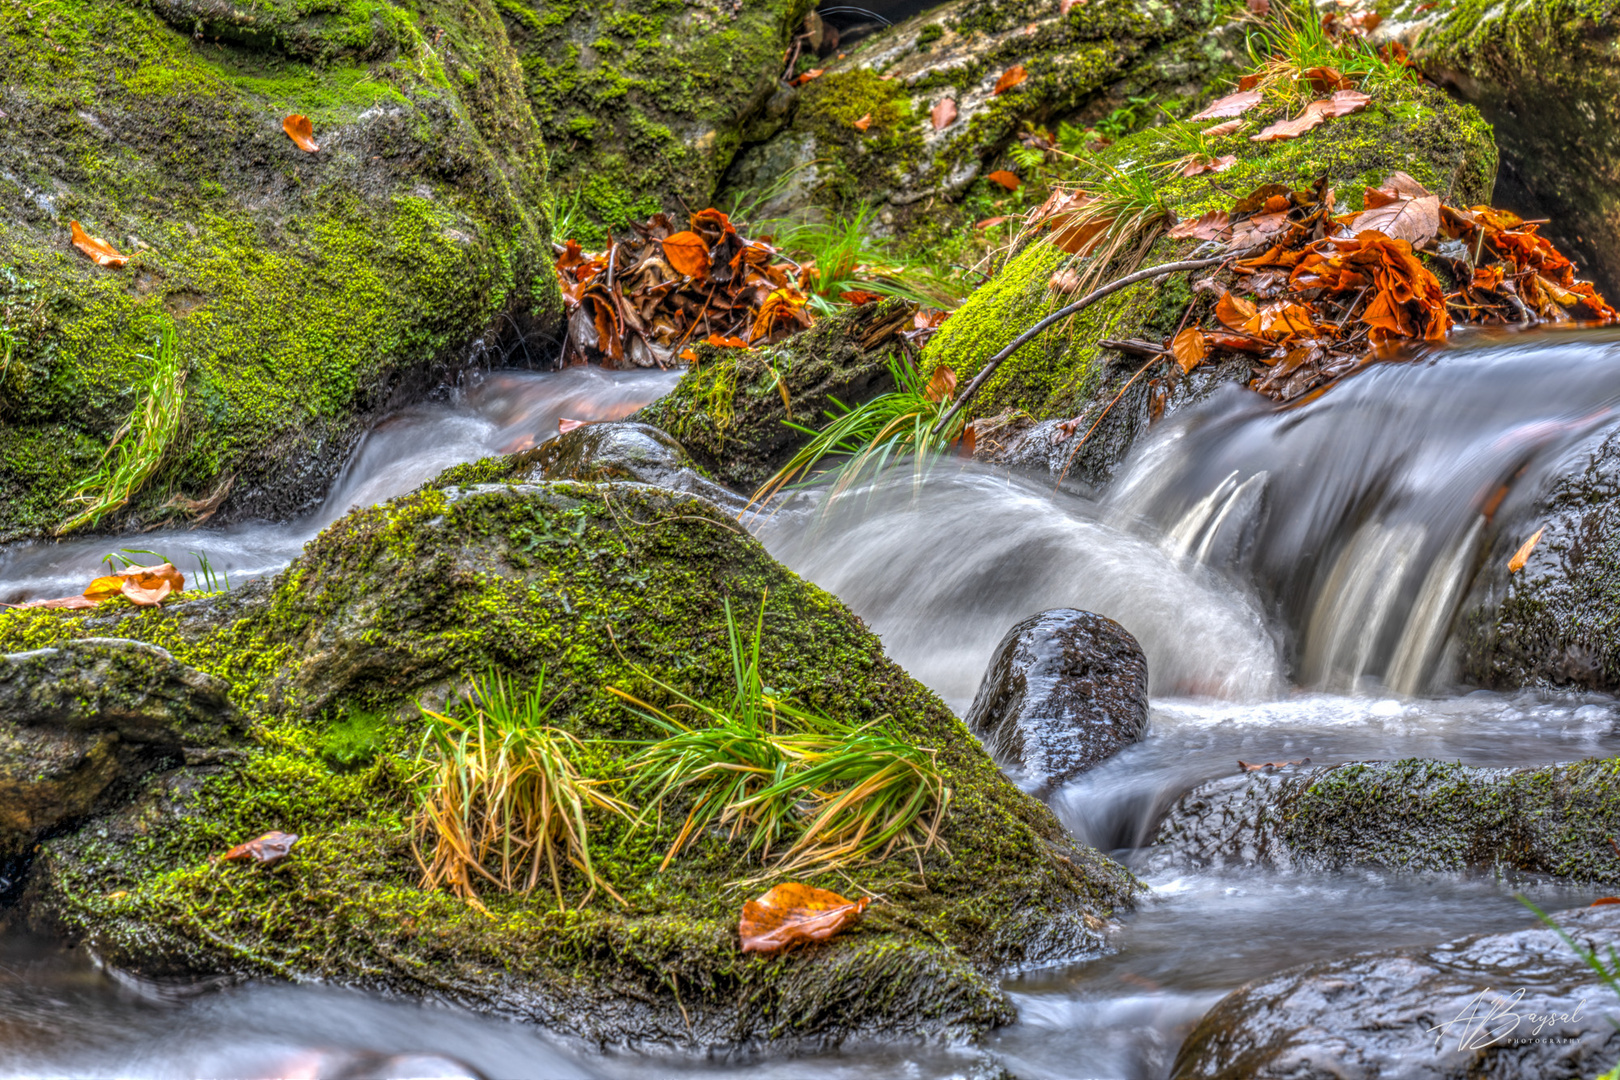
(1063, 313)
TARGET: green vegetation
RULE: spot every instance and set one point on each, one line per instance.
(500, 787)
(843, 256)
(831, 792)
(139, 447)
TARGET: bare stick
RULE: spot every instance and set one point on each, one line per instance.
(1063, 313)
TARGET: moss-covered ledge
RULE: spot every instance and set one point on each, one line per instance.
(306, 290)
(588, 582)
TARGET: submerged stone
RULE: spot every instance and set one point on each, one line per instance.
(1065, 689)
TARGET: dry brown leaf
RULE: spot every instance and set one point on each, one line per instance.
(301, 132)
(941, 384)
(1325, 80)
(1010, 78)
(1522, 556)
(1210, 226)
(944, 114)
(793, 914)
(1231, 105)
(1005, 179)
(1198, 163)
(813, 73)
(1256, 766)
(863, 123)
(266, 850)
(687, 253)
(1233, 311)
(1189, 348)
(1226, 127)
(100, 252)
(1342, 103)
(990, 222)
(143, 597)
(1417, 221)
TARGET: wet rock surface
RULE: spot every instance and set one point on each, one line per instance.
(1408, 815)
(1404, 1014)
(619, 451)
(80, 721)
(1065, 689)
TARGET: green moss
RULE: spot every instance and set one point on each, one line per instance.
(594, 584)
(304, 287)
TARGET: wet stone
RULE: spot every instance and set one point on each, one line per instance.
(1065, 689)
(620, 451)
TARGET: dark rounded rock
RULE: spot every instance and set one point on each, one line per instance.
(1404, 1014)
(1065, 689)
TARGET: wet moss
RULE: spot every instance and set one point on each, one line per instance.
(305, 289)
(590, 584)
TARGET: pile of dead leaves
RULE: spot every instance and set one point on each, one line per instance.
(146, 586)
(643, 301)
(1318, 291)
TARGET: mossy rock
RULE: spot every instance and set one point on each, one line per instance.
(643, 102)
(1066, 372)
(1546, 73)
(1411, 815)
(729, 411)
(594, 585)
(307, 291)
(925, 182)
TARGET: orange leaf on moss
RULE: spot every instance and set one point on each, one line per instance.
(864, 122)
(795, 914)
(1010, 78)
(301, 132)
(1006, 179)
(100, 252)
(688, 254)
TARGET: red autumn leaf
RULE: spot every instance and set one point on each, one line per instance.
(100, 252)
(1210, 226)
(1225, 127)
(688, 254)
(266, 850)
(1005, 179)
(301, 132)
(1231, 105)
(1189, 348)
(943, 114)
(1249, 82)
(794, 914)
(813, 73)
(1010, 78)
(863, 123)
(941, 384)
(1233, 311)
(859, 297)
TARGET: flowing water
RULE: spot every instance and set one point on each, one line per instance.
(1291, 574)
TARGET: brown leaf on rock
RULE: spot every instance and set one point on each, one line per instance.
(1325, 80)
(1200, 163)
(1257, 766)
(104, 588)
(943, 114)
(101, 253)
(1234, 311)
(1342, 103)
(1258, 230)
(266, 850)
(1010, 78)
(859, 297)
(941, 384)
(1231, 105)
(1006, 179)
(301, 132)
(863, 123)
(794, 914)
(1417, 221)
(813, 73)
(688, 254)
(990, 222)
(1522, 556)
(1224, 128)
(1189, 347)
(1210, 226)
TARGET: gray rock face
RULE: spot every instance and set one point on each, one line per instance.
(78, 720)
(1065, 689)
(622, 450)
(1404, 1014)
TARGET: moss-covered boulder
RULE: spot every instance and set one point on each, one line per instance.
(643, 102)
(598, 586)
(1068, 372)
(730, 411)
(1405, 815)
(305, 289)
(1546, 74)
(1079, 65)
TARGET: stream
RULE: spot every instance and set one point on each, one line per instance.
(1291, 574)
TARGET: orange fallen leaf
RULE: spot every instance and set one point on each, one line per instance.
(1342, 103)
(1005, 179)
(793, 914)
(725, 342)
(1189, 348)
(1325, 80)
(990, 222)
(943, 114)
(151, 577)
(687, 253)
(266, 850)
(859, 297)
(1603, 901)
(104, 588)
(1231, 105)
(864, 122)
(813, 73)
(1010, 78)
(1210, 226)
(688, 355)
(145, 597)
(941, 384)
(100, 252)
(1522, 556)
(1233, 311)
(1256, 766)
(301, 132)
